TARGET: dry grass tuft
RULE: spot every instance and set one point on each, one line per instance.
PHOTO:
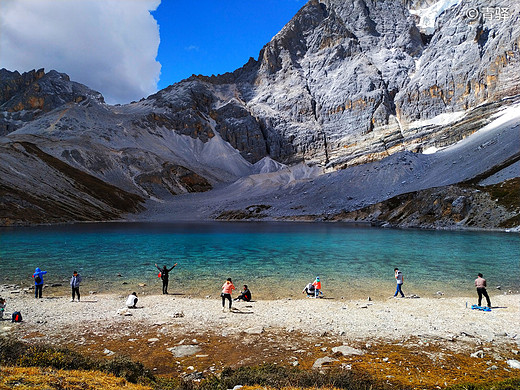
(22, 378)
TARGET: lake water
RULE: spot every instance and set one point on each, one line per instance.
(275, 259)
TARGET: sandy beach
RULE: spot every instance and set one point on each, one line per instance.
(439, 339)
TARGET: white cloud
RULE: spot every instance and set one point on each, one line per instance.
(108, 45)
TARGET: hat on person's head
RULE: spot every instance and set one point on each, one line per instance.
(318, 278)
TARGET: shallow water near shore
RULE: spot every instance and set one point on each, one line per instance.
(276, 260)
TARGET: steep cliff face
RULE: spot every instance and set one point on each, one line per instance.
(24, 97)
(473, 57)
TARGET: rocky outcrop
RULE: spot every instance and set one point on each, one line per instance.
(469, 60)
(23, 97)
(491, 207)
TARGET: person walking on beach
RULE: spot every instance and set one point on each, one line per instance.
(164, 271)
(227, 288)
(74, 284)
(399, 279)
(317, 287)
(480, 284)
(38, 282)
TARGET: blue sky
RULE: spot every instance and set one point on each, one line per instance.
(129, 49)
(215, 37)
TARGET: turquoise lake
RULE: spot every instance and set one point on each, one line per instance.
(276, 260)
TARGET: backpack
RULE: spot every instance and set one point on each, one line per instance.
(37, 279)
(17, 317)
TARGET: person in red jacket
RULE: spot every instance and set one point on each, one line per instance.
(317, 287)
(227, 288)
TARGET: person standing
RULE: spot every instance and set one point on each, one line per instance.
(227, 289)
(480, 284)
(399, 279)
(38, 282)
(74, 284)
(164, 277)
(317, 287)
(2, 308)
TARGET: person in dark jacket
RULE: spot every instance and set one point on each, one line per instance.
(480, 284)
(164, 276)
(245, 295)
(74, 284)
(38, 282)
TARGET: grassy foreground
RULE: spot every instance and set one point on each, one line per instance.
(42, 367)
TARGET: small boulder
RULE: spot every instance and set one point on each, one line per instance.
(124, 312)
(254, 330)
(345, 350)
(513, 364)
(478, 354)
(319, 363)
(184, 350)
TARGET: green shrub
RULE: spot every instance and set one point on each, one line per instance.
(11, 350)
(277, 377)
(124, 367)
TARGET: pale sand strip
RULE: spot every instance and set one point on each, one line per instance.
(386, 320)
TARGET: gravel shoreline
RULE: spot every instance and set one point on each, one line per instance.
(392, 318)
(176, 334)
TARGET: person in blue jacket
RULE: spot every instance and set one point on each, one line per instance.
(38, 282)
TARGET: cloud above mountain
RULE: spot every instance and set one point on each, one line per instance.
(109, 45)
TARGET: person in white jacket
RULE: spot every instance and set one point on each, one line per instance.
(131, 301)
(399, 278)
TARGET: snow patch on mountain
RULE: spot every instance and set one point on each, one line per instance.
(429, 15)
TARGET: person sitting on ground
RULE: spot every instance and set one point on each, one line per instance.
(309, 290)
(245, 295)
(2, 308)
(131, 301)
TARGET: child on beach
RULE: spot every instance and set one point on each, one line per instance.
(38, 282)
(227, 288)
(74, 284)
(317, 287)
(2, 308)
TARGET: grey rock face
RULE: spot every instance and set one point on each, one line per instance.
(468, 61)
(23, 97)
(344, 83)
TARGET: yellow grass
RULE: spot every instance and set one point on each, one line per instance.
(22, 378)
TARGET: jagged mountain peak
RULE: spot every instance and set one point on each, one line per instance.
(26, 96)
(342, 84)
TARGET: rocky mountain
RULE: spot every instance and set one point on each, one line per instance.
(343, 85)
